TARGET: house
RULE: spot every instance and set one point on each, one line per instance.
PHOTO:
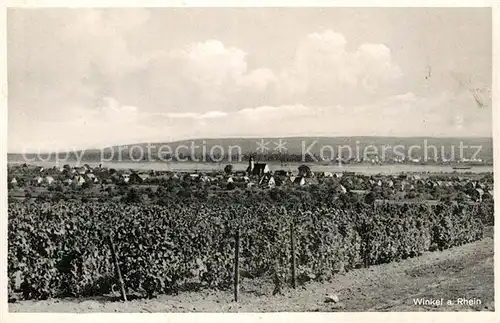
(311, 181)
(82, 170)
(92, 178)
(49, 179)
(431, 184)
(230, 180)
(402, 185)
(338, 175)
(267, 181)
(327, 174)
(37, 180)
(205, 178)
(79, 180)
(125, 177)
(13, 181)
(419, 182)
(299, 180)
(68, 181)
(415, 177)
(258, 169)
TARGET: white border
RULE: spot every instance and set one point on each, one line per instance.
(257, 3)
(243, 317)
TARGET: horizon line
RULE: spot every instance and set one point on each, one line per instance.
(249, 137)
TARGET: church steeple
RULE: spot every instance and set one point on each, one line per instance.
(251, 166)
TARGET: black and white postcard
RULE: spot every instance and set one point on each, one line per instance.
(194, 159)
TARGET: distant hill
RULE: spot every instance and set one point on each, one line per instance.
(317, 146)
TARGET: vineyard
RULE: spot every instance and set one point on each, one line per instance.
(59, 249)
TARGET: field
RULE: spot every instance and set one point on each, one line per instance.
(466, 271)
(177, 238)
(59, 248)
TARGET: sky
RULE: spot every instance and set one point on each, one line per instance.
(87, 78)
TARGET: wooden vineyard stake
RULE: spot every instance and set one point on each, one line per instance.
(117, 267)
(237, 266)
(294, 263)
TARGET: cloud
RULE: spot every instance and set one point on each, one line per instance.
(213, 64)
(82, 58)
(108, 123)
(404, 114)
(258, 79)
(202, 76)
(209, 75)
(375, 66)
(325, 72)
(276, 112)
(101, 81)
(190, 115)
(213, 115)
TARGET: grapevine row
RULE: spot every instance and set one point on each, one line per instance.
(59, 248)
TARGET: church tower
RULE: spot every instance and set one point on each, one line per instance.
(251, 166)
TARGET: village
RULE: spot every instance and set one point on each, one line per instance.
(28, 181)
